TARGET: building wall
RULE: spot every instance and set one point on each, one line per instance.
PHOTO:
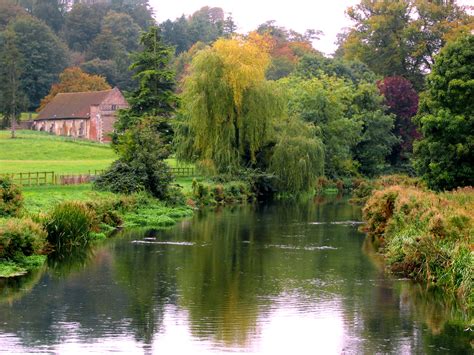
(107, 112)
(98, 127)
(76, 127)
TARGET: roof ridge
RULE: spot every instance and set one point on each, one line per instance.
(84, 92)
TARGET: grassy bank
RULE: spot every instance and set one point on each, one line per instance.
(53, 218)
(426, 236)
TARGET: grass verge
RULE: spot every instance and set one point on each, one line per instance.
(426, 236)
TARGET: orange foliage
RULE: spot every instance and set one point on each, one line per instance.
(75, 80)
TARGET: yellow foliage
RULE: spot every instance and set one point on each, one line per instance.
(244, 62)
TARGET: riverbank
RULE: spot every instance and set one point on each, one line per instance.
(58, 217)
(49, 218)
(426, 236)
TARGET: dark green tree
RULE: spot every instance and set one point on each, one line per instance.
(229, 26)
(143, 131)
(139, 10)
(175, 33)
(51, 12)
(123, 28)
(105, 46)
(12, 98)
(44, 56)
(82, 25)
(445, 154)
(155, 96)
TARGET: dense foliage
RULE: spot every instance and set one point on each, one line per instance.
(141, 166)
(21, 237)
(12, 98)
(228, 106)
(402, 101)
(143, 131)
(69, 224)
(425, 236)
(445, 153)
(401, 38)
(355, 129)
(11, 198)
(44, 57)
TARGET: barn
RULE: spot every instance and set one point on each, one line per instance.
(88, 115)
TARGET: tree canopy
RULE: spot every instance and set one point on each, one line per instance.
(44, 55)
(228, 104)
(444, 154)
(400, 38)
(75, 80)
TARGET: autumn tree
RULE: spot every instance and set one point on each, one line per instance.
(444, 154)
(400, 38)
(12, 98)
(286, 48)
(75, 80)
(228, 106)
(402, 101)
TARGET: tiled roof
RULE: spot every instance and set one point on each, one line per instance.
(72, 105)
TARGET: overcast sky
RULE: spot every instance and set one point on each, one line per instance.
(299, 15)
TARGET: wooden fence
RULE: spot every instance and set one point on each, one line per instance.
(33, 178)
(51, 178)
(183, 172)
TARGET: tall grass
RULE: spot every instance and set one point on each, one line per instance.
(426, 236)
(69, 224)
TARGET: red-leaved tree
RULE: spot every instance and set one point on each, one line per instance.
(402, 101)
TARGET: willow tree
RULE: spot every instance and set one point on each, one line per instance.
(228, 106)
(298, 156)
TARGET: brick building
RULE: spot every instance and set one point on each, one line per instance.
(89, 115)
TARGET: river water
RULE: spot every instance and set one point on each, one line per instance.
(281, 278)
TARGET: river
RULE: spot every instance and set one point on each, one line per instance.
(281, 278)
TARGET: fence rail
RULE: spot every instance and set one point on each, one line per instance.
(33, 178)
(183, 172)
(39, 178)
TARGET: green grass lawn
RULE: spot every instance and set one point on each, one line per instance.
(39, 151)
(42, 198)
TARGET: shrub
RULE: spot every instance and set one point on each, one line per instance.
(121, 177)
(263, 185)
(11, 199)
(175, 197)
(69, 224)
(132, 177)
(21, 237)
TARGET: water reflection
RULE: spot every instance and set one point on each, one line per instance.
(270, 279)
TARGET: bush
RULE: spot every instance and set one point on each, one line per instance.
(121, 178)
(69, 224)
(132, 177)
(364, 188)
(11, 199)
(21, 237)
